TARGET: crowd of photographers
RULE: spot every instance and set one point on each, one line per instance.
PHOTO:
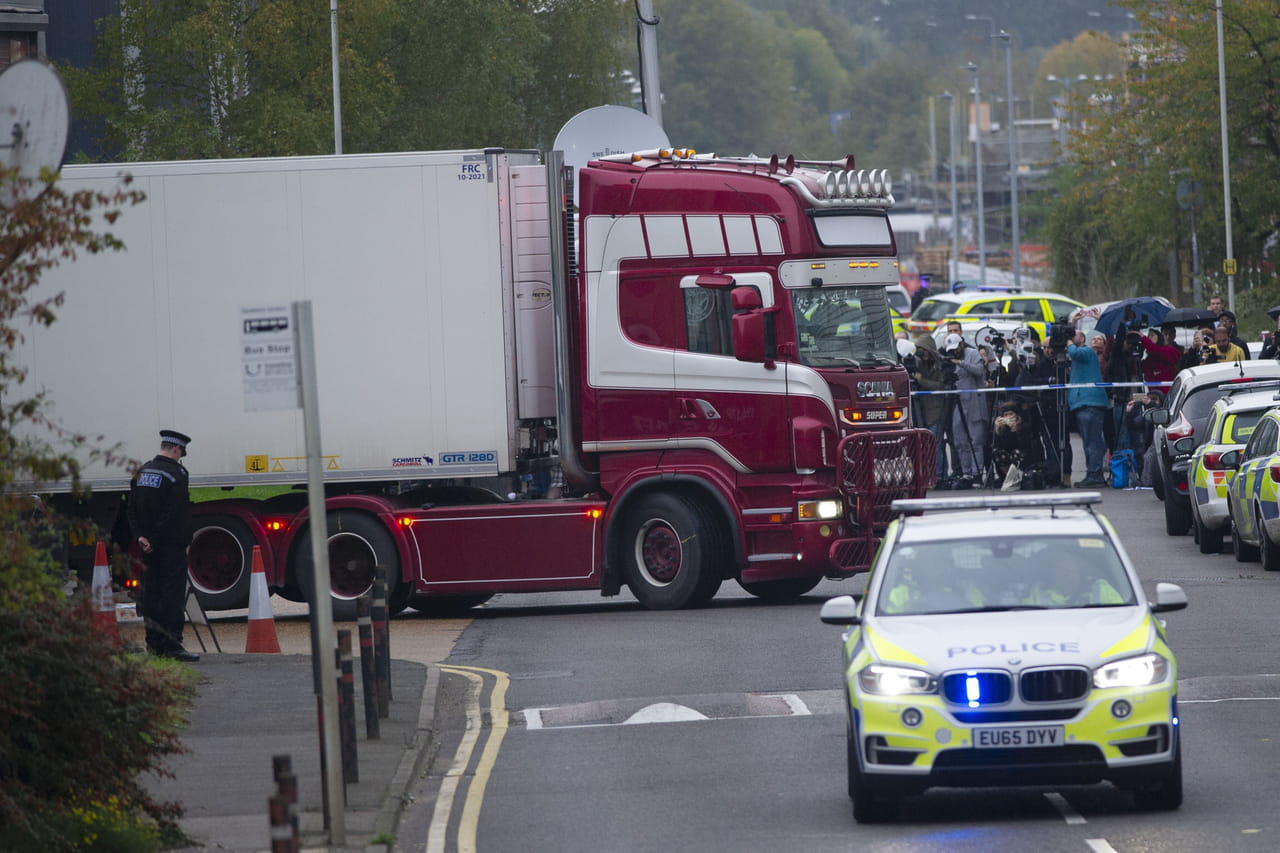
(983, 436)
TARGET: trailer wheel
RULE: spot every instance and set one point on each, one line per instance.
(673, 552)
(220, 562)
(358, 543)
(787, 589)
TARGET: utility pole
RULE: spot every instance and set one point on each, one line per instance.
(977, 160)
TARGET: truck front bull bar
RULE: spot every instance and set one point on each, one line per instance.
(877, 468)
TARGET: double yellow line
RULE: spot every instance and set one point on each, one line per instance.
(473, 797)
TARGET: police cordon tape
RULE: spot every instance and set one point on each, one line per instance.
(999, 389)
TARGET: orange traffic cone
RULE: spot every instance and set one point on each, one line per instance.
(104, 600)
(262, 624)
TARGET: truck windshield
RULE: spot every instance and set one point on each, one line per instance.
(843, 325)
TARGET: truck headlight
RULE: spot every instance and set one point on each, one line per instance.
(824, 510)
(885, 680)
(1132, 672)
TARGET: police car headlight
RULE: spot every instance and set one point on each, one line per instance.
(1132, 672)
(820, 510)
(883, 680)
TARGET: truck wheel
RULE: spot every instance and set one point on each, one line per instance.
(672, 552)
(788, 589)
(447, 606)
(220, 562)
(1177, 515)
(358, 543)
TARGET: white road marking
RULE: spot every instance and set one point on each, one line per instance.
(663, 712)
(1070, 815)
(1229, 699)
(532, 718)
(1099, 845)
(796, 704)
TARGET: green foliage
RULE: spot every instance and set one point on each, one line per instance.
(40, 227)
(1119, 221)
(80, 720)
(191, 79)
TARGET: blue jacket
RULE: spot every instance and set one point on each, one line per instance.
(1084, 368)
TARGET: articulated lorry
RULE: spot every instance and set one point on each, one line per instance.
(701, 345)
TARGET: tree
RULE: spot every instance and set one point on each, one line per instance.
(1159, 125)
(80, 718)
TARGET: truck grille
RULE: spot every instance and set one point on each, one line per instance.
(1053, 685)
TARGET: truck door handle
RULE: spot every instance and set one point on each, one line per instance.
(694, 409)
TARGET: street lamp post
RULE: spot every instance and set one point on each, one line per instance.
(1229, 263)
(1069, 110)
(1013, 161)
(977, 162)
(955, 205)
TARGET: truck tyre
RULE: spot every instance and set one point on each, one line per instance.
(358, 543)
(788, 589)
(220, 562)
(447, 606)
(1177, 515)
(672, 552)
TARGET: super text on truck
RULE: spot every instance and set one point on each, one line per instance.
(703, 345)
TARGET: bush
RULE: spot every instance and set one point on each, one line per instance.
(80, 719)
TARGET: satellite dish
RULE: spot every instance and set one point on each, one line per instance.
(604, 131)
(34, 117)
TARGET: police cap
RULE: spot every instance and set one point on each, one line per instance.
(172, 436)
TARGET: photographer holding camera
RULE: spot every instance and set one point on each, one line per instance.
(934, 410)
(970, 416)
(1223, 349)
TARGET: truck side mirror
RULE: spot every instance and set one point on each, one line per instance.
(750, 319)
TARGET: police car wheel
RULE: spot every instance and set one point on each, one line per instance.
(1245, 553)
(1210, 541)
(1269, 550)
(1166, 795)
(868, 807)
(673, 552)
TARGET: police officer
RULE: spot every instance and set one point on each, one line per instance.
(160, 515)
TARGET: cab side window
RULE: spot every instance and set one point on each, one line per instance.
(707, 323)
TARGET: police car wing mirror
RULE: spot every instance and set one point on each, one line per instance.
(1230, 459)
(1159, 417)
(1185, 445)
(1169, 596)
(841, 610)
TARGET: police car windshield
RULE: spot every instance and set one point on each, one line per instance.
(843, 326)
(1009, 573)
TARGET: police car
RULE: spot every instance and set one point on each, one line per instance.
(1252, 496)
(1006, 640)
(1231, 422)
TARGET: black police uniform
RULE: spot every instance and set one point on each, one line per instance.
(160, 510)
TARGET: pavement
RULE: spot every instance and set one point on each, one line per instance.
(251, 707)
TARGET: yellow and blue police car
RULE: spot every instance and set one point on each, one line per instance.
(1006, 640)
(1252, 497)
(1230, 424)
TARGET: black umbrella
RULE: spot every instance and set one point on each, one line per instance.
(1190, 317)
(1274, 312)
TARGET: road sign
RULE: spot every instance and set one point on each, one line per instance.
(1229, 266)
(269, 358)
